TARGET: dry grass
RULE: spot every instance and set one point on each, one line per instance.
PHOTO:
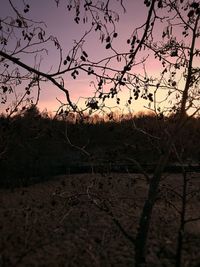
(56, 223)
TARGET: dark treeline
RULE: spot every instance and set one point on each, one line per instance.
(33, 146)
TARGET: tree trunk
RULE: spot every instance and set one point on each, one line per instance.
(182, 223)
(145, 219)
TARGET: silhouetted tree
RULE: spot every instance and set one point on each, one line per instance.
(174, 90)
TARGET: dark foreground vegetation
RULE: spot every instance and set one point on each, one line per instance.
(93, 218)
(34, 146)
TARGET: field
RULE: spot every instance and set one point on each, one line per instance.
(75, 220)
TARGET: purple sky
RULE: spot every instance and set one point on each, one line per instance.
(60, 23)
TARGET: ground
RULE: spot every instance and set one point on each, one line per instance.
(67, 221)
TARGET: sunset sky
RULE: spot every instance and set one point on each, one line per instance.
(60, 23)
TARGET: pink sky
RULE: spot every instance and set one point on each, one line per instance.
(61, 24)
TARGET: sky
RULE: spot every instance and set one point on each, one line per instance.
(60, 23)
